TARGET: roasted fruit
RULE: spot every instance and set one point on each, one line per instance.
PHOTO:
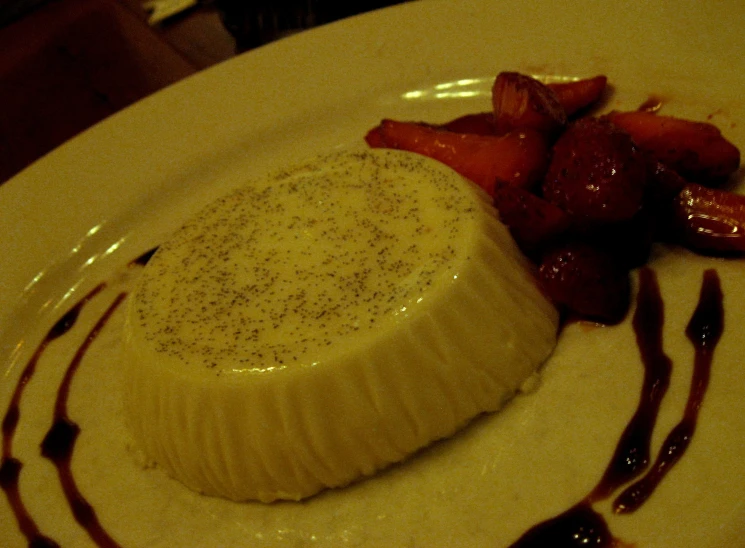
(663, 184)
(578, 95)
(610, 185)
(532, 221)
(710, 220)
(517, 158)
(374, 138)
(630, 241)
(480, 123)
(696, 150)
(597, 174)
(522, 102)
(586, 281)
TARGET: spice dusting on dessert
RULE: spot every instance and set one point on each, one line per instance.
(313, 327)
(275, 274)
(708, 220)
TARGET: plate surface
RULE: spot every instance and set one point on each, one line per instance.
(80, 215)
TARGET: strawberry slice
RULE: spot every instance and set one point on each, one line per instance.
(532, 221)
(518, 158)
(696, 150)
(711, 221)
(480, 123)
(521, 102)
(587, 281)
(374, 138)
(664, 184)
(580, 94)
(596, 174)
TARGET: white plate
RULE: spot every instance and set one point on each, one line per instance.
(79, 215)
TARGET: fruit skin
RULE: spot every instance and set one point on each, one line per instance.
(710, 221)
(663, 184)
(521, 102)
(574, 97)
(533, 221)
(596, 174)
(479, 123)
(695, 150)
(587, 281)
(580, 94)
(518, 158)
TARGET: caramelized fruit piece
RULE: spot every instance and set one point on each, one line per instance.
(520, 102)
(663, 184)
(580, 94)
(374, 138)
(532, 220)
(630, 241)
(517, 158)
(480, 123)
(587, 281)
(710, 220)
(696, 150)
(596, 174)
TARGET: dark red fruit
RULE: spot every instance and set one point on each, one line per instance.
(532, 221)
(597, 174)
(663, 184)
(696, 150)
(710, 221)
(587, 281)
(629, 241)
(480, 123)
(580, 94)
(517, 158)
(522, 102)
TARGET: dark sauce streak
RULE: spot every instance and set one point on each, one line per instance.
(581, 525)
(631, 456)
(704, 331)
(10, 469)
(59, 443)
(578, 527)
(143, 259)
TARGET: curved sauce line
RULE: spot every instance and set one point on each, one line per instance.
(632, 452)
(581, 525)
(10, 469)
(704, 331)
(59, 443)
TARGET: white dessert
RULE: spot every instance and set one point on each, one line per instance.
(318, 325)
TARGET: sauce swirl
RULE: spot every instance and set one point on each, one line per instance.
(581, 525)
(577, 527)
(704, 331)
(10, 469)
(59, 443)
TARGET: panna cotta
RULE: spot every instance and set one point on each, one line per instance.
(319, 324)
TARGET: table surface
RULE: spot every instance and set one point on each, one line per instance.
(68, 64)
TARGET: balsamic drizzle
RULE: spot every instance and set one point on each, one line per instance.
(10, 469)
(704, 331)
(59, 443)
(631, 456)
(581, 525)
